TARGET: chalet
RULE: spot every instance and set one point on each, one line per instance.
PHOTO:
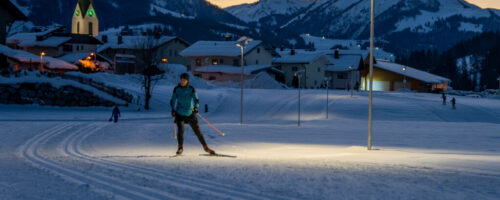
(344, 72)
(389, 76)
(221, 60)
(205, 53)
(8, 14)
(162, 49)
(312, 62)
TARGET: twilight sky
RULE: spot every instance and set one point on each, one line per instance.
(480, 3)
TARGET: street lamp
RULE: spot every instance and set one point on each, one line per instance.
(370, 101)
(298, 74)
(242, 43)
(498, 79)
(404, 77)
(41, 60)
(352, 87)
(327, 81)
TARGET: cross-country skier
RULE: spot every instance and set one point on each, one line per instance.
(185, 104)
(453, 103)
(115, 114)
(444, 99)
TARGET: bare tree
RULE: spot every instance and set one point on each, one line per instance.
(147, 47)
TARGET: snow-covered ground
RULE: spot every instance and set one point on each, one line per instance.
(424, 150)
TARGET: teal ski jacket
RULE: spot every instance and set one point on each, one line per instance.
(184, 99)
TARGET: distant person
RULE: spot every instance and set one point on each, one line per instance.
(186, 103)
(453, 103)
(444, 99)
(115, 114)
(357, 86)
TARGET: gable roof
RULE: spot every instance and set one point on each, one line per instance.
(135, 42)
(30, 40)
(229, 69)
(218, 48)
(26, 57)
(423, 76)
(13, 10)
(343, 63)
(301, 56)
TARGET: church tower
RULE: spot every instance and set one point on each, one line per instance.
(85, 19)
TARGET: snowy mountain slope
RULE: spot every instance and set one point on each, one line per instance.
(432, 23)
(256, 11)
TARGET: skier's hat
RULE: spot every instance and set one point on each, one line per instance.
(185, 76)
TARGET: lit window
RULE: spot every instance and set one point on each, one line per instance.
(215, 62)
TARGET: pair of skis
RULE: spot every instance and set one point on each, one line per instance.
(208, 155)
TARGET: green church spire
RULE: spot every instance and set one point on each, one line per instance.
(84, 5)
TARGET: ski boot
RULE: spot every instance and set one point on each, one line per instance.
(179, 151)
(208, 150)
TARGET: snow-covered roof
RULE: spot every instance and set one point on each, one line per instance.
(343, 63)
(30, 39)
(133, 42)
(73, 57)
(25, 57)
(217, 48)
(229, 69)
(300, 57)
(411, 72)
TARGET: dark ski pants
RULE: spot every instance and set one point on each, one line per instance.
(193, 122)
(115, 119)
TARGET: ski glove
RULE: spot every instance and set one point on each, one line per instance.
(173, 113)
(195, 110)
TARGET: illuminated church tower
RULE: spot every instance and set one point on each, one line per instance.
(85, 19)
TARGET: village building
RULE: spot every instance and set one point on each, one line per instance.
(22, 60)
(344, 72)
(53, 42)
(85, 20)
(312, 63)
(161, 49)
(8, 14)
(389, 76)
(221, 60)
(224, 73)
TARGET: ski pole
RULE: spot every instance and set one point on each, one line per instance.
(223, 134)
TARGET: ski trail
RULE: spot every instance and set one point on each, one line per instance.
(92, 128)
(163, 176)
(31, 151)
(70, 149)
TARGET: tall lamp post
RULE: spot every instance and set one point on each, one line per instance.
(298, 74)
(498, 79)
(242, 43)
(370, 103)
(41, 60)
(351, 78)
(404, 77)
(327, 81)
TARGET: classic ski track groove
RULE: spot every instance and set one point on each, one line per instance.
(32, 154)
(181, 181)
(71, 150)
(92, 128)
